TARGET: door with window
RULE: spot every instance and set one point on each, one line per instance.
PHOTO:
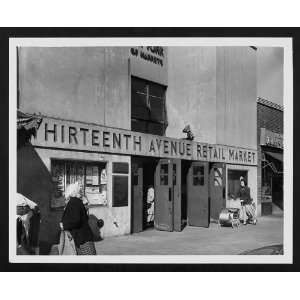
(217, 189)
(167, 209)
(197, 195)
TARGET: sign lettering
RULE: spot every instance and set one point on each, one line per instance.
(78, 136)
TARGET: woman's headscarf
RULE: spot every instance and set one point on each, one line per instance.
(73, 190)
(244, 180)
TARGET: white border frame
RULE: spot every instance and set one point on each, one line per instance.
(286, 43)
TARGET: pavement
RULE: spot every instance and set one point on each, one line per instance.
(214, 240)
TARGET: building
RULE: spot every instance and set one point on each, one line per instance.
(270, 155)
(113, 119)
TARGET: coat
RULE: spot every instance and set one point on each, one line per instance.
(75, 220)
(244, 194)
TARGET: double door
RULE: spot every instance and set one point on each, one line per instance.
(205, 194)
(167, 200)
(168, 195)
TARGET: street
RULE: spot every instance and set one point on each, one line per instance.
(214, 240)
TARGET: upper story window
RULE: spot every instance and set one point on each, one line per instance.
(148, 110)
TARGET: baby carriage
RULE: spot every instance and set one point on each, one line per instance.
(235, 211)
(230, 217)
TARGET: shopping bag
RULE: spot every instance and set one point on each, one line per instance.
(66, 244)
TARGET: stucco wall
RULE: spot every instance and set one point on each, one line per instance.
(89, 84)
(236, 96)
(35, 182)
(191, 92)
(214, 90)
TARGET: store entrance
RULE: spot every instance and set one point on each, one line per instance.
(156, 194)
(143, 195)
(194, 194)
(179, 190)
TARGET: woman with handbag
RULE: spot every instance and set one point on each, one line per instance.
(75, 220)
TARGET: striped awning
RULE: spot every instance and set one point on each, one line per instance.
(28, 121)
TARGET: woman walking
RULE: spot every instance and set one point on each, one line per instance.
(75, 220)
(246, 202)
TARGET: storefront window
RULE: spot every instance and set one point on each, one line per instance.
(91, 176)
(120, 184)
(267, 175)
(234, 183)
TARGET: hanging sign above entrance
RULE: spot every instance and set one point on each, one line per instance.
(67, 135)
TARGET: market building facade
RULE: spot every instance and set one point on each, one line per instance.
(113, 119)
(270, 155)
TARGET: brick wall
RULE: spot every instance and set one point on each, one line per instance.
(270, 118)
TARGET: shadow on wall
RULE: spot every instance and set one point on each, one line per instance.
(34, 181)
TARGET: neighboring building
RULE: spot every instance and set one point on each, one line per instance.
(270, 155)
(113, 119)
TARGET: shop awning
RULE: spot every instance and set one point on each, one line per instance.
(274, 160)
(28, 121)
(278, 156)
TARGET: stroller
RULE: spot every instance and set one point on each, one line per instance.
(232, 215)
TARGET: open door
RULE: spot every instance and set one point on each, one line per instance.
(197, 195)
(137, 197)
(168, 195)
(217, 189)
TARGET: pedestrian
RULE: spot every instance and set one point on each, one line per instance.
(150, 206)
(248, 208)
(75, 220)
(28, 225)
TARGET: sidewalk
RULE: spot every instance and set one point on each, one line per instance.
(197, 240)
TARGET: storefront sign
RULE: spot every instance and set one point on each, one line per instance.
(150, 63)
(79, 136)
(270, 138)
(152, 54)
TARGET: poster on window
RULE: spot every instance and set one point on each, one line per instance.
(92, 175)
(71, 173)
(80, 174)
(58, 179)
(103, 177)
(96, 195)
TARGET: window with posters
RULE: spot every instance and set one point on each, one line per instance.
(91, 176)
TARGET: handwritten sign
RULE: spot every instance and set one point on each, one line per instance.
(80, 136)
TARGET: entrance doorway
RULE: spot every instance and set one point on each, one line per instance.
(181, 193)
(167, 209)
(194, 194)
(143, 202)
